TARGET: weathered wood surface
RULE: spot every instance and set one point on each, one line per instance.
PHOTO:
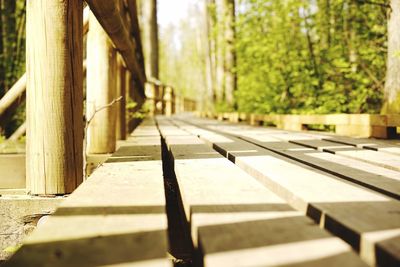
(101, 90)
(110, 16)
(378, 175)
(17, 91)
(378, 158)
(121, 105)
(380, 179)
(388, 146)
(361, 125)
(363, 218)
(54, 55)
(116, 217)
(235, 221)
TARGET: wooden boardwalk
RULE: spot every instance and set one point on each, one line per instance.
(211, 193)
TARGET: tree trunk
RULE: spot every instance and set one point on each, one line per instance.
(220, 75)
(392, 85)
(54, 96)
(230, 57)
(210, 54)
(9, 40)
(150, 37)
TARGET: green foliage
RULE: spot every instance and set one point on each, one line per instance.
(12, 58)
(302, 56)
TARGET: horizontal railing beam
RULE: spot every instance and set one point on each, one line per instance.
(109, 15)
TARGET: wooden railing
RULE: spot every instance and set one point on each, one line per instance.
(54, 86)
(163, 99)
(360, 125)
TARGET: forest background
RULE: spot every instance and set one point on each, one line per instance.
(259, 56)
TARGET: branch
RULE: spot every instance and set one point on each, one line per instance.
(373, 3)
(101, 108)
(85, 165)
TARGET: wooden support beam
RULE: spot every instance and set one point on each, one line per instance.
(101, 90)
(13, 94)
(109, 15)
(19, 87)
(18, 133)
(54, 97)
(132, 9)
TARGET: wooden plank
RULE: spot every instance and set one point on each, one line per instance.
(385, 160)
(361, 217)
(388, 146)
(235, 221)
(117, 216)
(371, 176)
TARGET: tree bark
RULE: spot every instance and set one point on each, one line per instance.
(392, 85)
(54, 96)
(230, 56)
(210, 54)
(220, 47)
(9, 40)
(150, 38)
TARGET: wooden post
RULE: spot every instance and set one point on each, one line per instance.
(54, 96)
(101, 90)
(121, 105)
(168, 101)
(151, 98)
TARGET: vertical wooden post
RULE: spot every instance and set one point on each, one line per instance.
(151, 98)
(101, 90)
(168, 101)
(121, 105)
(54, 96)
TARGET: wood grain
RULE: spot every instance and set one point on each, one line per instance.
(361, 217)
(54, 96)
(101, 90)
(234, 220)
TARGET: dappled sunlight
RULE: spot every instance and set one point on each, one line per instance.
(309, 184)
(356, 164)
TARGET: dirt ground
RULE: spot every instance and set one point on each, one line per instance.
(19, 215)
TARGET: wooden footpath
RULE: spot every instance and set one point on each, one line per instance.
(186, 191)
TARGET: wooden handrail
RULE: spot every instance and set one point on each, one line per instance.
(19, 132)
(132, 9)
(17, 91)
(13, 94)
(109, 15)
(19, 88)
